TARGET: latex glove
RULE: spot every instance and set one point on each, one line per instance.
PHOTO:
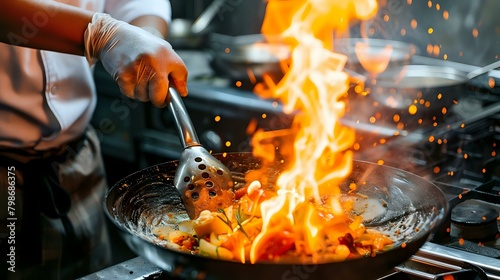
(143, 65)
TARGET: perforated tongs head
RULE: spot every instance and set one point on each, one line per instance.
(204, 183)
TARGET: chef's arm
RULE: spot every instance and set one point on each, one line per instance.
(47, 25)
(152, 24)
(51, 25)
(143, 65)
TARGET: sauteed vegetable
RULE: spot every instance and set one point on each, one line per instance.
(230, 233)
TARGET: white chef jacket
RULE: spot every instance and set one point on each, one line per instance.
(47, 98)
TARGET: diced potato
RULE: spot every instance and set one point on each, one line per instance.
(248, 207)
(209, 222)
(210, 250)
(342, 252)
(356, 223)
(186, 226)
(218, 239)
(338, 254)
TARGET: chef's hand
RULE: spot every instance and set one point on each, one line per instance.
(143, 65)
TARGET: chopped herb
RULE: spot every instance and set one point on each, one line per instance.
(227, 221)
(238, 220)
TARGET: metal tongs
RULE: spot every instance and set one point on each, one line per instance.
(204, 183)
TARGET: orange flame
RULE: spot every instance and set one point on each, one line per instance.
(314, 86)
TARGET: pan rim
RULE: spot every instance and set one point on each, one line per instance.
(439, 76)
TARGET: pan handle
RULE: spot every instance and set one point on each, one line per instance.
(206, 17)
(483, 70)
(181, 118)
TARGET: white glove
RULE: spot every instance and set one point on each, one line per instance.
(142, 64)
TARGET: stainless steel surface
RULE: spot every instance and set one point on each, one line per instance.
(458, 257)
(432, 255)
(203, 182)
(133, 269)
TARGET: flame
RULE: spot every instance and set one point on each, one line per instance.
(313, 87)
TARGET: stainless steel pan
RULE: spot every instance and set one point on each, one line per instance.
(247, 58)
(430, 91)
(414, 210)
(388, 53)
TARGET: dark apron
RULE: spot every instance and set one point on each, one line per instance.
(48, 186)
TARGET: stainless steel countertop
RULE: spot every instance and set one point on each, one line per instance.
(430, 253)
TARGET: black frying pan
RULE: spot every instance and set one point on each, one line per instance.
(415, 208)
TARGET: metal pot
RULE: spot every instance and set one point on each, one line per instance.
(418, 94)
(414, 210)
(413, 95)
(372, 56)
(248, 58)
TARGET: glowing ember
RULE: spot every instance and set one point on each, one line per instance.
(314, 85)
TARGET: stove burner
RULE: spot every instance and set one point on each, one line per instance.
(474, 221)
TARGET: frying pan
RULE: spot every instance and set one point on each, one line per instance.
(430, 90)
(373, 50)
(403, 205)
(247, 58)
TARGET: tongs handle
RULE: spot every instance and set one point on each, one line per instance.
(182, 121)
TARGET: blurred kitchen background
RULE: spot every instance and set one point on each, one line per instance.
(221, 103)
(136, 135)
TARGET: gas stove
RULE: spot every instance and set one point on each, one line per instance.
(460, 156)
